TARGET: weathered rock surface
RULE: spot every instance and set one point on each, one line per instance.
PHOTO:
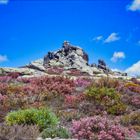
(22, 71)
(68, 57)
(102, 65)
(37, 65)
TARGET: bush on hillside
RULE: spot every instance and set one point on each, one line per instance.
(40, 117)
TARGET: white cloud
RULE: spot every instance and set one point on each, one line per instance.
(135, 5)
(98, 38)
(117, 56)
(4, 1)
(134, 70)
(3, 58)
(117, 70)
(112, 37)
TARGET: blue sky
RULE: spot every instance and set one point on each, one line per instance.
(107, 29)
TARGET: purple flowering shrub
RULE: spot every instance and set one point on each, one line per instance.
(133, 87)
(55, 70)
(132, 120)
(82, 82)
(100, 127)
(2, 97)
(130, 94)
(75, 72)
(5, 79)
(57, 84)
(14, 75)
(73, 100)
(33, 92)
(135, 101)
(3, 88)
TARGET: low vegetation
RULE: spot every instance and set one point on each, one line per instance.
(43, 118)
(83, 108)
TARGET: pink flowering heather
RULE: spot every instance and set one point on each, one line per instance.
(5, 79)
(73, 99)
(136, 101)
(14, 75)
(74, 72)
(3, 88)
(100, 128)
(82, 82)
(2, 97)
(58, 85)
(24, 80)
(55, 70)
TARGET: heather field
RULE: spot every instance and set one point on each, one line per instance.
(84, 108)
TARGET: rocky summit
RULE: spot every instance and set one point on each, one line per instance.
(68, 60)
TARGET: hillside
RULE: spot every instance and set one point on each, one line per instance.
(63, 96)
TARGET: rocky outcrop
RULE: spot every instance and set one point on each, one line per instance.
(102, 65)
(37, 65)
(21, 71)
(67, 58)
(70, 57)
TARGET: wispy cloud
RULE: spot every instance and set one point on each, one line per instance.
(3, 58)
(134, 6)
(98, 38)
(112, 37)
(117, 56)
(4, 1)
(134, 70)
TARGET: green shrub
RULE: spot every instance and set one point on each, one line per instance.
(99, 94)
(108, 98)
(53, 132)
(117, 109)
(41, 117)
